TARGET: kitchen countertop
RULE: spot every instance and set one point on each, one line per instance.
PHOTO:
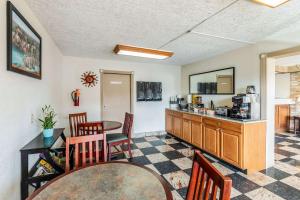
(242, 121)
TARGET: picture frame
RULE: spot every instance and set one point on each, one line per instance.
(215, 82)
(24, 45)
(148, 91)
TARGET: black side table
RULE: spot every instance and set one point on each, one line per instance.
(37, 146)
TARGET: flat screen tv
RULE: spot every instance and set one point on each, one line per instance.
(148, 91)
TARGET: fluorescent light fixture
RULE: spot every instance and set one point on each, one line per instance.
(271, 3)
(142, 52)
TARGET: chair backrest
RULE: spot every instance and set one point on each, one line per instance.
(89, 128)
(206, 180)
(86, 150)
(127, 126)
(75, 119)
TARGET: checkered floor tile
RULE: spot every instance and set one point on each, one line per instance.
(172, 159)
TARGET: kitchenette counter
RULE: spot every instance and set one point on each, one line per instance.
(227, 139)
(242, 121)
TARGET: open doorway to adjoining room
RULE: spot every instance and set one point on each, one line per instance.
(280, 86)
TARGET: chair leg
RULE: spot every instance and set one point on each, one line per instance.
(129, 149)
(104, 153)
(109, 152)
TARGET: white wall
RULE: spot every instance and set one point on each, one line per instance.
(149, 116)
(282, 85)
(21, 96)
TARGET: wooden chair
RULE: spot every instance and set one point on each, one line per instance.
(75, 119)
(121, 138)
(86, 150)
(206, 180)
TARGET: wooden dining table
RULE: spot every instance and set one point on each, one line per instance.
(109, 125)
(106, 181)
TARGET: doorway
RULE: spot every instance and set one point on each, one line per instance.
(268, 63)
(116, 95)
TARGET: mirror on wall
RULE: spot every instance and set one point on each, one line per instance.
(213, 82)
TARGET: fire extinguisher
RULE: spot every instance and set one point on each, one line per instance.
(75, 97)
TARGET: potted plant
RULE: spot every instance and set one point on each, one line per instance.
(47, 120)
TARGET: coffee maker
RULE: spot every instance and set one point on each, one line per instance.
(241, 107)
(245, 106)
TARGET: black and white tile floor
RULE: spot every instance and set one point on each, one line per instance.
(172, 159)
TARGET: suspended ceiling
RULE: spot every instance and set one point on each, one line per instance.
(193, 29)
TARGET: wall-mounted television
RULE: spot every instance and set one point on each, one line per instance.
(148, 91)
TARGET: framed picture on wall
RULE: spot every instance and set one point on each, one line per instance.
(149, 91)
(24, 45)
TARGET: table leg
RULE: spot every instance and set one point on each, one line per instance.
(298, 127)
(294, 125)
(24, 175)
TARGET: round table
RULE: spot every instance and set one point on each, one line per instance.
(108, 125)
(111, 125)
(106, 181)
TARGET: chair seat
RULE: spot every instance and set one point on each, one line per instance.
(115, 137)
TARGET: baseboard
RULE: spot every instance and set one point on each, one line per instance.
(147, 134)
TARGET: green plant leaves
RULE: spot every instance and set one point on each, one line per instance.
(47, 121)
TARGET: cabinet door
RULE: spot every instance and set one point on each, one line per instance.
(277, 119)
(211, 139)
(187, 130)
(231, 147)
(197, 134)
(177, 126)
(283, 117)
(169, 123)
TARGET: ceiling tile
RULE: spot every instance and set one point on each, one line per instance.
(92, 27)
(192, 47)
(250, 21)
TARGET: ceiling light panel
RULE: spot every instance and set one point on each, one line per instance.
(271, 3)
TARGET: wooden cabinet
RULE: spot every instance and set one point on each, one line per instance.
(282, 118)
(169, 123)
(197, 134)
(231, 147)
(177, 126)
(240, 144)
(211, 139)
(187, 130)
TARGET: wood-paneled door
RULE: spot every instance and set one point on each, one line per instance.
(231, 146)
(177, 126)
(211, 141)
(282, 118)
(197, 133)
(187, 130)
(169, 123)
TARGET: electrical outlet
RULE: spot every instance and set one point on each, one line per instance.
(32, 118)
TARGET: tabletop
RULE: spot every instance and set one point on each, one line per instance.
(109, 125)
(107, 181)
(39, 142)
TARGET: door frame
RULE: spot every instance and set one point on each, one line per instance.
(131, 73)
(267, 82)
